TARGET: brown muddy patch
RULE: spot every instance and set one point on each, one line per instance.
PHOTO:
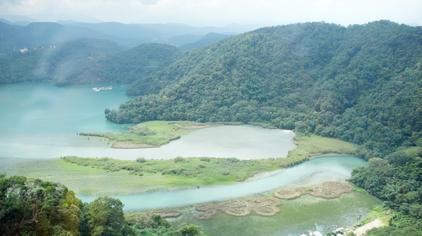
(327, 190)
(269, 205)
(331, 190)
(264, 206)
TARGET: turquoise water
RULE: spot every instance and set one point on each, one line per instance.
(326, 168)
(42, 121)
(39, 109)
(37, 118)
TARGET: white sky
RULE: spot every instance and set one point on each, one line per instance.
(218, 12)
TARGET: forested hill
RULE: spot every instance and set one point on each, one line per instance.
(360, 83)
(70, 53)
(89, 61)
(206, 40)
(64, 63)
(137, 65)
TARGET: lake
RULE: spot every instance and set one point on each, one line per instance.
(39, 121)
(42, 121)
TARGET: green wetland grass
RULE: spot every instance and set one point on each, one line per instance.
(105, 176)
(295, 217)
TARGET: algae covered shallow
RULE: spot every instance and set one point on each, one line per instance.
(294, 218)
(327, 168)
(99, 176)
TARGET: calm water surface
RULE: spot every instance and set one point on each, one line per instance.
(327, 168)
(41, 121)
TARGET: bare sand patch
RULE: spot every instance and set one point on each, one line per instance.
(361, 231)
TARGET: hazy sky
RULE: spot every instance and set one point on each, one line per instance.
(218, 12)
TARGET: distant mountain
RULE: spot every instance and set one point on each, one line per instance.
(134, 34)
(5, 21)
(17, 19)
(41, 34)
(62, 63)
(71, 62)
(360, 83)
(74, 52)
(205, 40)
(90, 61)
(14, 37)
(181, 40)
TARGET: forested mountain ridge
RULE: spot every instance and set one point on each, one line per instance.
(63, 63)
(360, 83)
(71, 53)
(89, 61)
(41, 34)
(72, 61)
(36, 34)
(206, 40)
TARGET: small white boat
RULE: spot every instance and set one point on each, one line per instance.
(105, 88)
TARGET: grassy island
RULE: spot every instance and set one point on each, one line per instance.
(101, 175)
(148, 134)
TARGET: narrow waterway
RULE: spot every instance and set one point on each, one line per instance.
(325, 168)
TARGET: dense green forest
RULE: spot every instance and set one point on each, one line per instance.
(397, 180)
(65, 63)
(360, 83)
(90, 61)
(206, 40)
(70, 63)
(143, 60)
(90, 53)
(137, 65)
(17, 67)
(35, 207)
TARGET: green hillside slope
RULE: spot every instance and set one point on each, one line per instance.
(360, 83)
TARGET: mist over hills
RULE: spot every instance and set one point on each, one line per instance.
(28, 34)
(73, 52)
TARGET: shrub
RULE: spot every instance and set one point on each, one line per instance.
(178, 159)
(141, 160)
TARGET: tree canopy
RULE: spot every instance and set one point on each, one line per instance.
(360, 83)
(397, 180)
(35, 207)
